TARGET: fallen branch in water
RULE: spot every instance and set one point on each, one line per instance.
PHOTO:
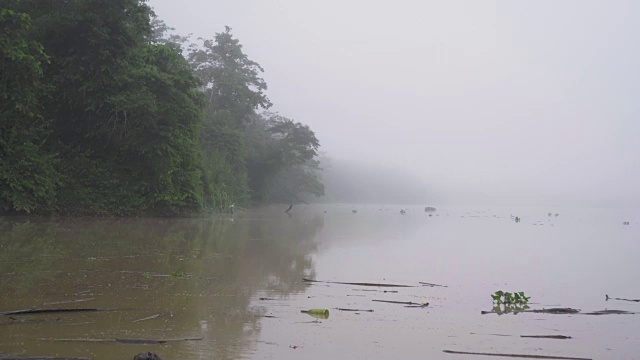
(147, 318)
(516, 355)
(49, 311)
(607, 298)
(344, 309)
(355, 283)
(430, 284)
(403, 303)
(559, 337)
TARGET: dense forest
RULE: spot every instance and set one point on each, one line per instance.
(104, 111)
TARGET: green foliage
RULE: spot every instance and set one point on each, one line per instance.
(507, 298)
(131, 126)
(27, 177)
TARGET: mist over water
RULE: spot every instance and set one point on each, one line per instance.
(492, 102)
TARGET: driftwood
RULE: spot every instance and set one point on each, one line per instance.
(431, 285)
(516, 355)
(607, 298)
(345, 309)
(355, 283)
(50, 311)
(559, 337)
(412, 304)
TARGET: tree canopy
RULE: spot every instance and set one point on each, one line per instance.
(104, 111)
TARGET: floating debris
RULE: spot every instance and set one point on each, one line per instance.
(430, 284)
(317, 313)
(355, 283)
(515, 355)
(607, 298)
(410, 303)
(345, 309)
(559, 337)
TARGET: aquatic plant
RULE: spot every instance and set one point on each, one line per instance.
(507, 298)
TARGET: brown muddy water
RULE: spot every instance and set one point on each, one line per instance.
(234, 283)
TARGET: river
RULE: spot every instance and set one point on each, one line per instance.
(233, 284)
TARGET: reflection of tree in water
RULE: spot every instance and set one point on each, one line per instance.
(228, 262)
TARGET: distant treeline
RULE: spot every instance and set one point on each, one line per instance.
(103, 112)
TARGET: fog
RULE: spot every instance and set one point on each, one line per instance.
(484, 102)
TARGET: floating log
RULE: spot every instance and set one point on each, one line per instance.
(516, 355)
(355, 283)
(345, 309)
(559, 337)
(49, 311)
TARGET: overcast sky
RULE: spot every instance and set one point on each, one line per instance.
(532, 102)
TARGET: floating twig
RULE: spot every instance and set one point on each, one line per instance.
(49, 311)
(403, 303)
(516, 355)
(610, 312)
(68, 301)
(559, 337)
(77, 340)
(356, 283)
(154, 341)
(40, 358)
(147, 318)
(430, 284)
(345, 309)
(607, 298)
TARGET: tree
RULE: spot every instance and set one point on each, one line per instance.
(276, 144)
(27, 178)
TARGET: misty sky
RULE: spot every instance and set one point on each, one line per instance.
(513, 102)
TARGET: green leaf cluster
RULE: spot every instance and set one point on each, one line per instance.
(507, 298)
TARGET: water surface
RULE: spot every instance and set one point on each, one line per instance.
(236, 283)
